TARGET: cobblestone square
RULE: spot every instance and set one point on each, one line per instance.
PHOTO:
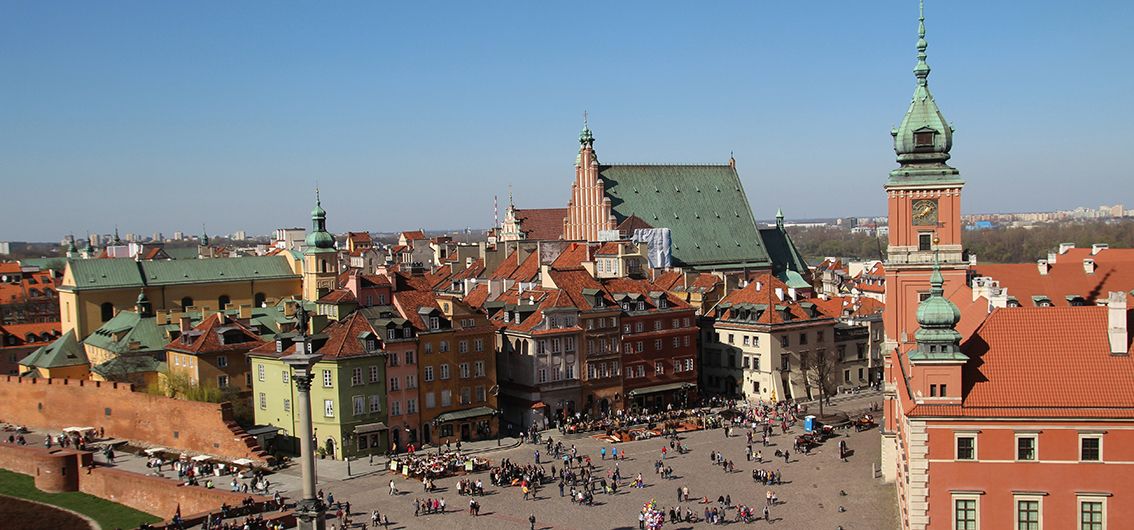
(809, 498)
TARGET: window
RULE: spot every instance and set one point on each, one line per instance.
(1028, 513)
(329, 408)
(222, 381)
(756, 362)
(374, 373)
(287, 405)
(393, 359)
(932, 388)
(446, 397)
(186, 303)
(464, 370)
(747, 340)
(444, 346)
(428, 347)
(430, 400)
(428, 374)
(802, 339)
(965, 513)
(731, 339)
(263, 401)
(542, 375)
(478, 368)
(785, 341)
(328, 381)
(1092, 513)
(222, 361)
(923, 139)
(1090, 447)
(466, 395)
(434, 323)
(463, 346)
(260, 373)
(966, 447)
(375, 403)
(411, 381)
(478, 344)
(411, 405)
(641, 370)
(359, 405)
(925, 241)
(393, 385)
(659, 368)
(356, 376)
(409, 357)
(481, 397)
(657, 344)
(1025, 447)
(639, 327)
(444, 371)
(223, 301)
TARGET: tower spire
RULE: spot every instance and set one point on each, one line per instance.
(921, 71)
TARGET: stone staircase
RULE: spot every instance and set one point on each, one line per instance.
(255, 452)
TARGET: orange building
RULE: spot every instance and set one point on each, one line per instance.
(1000, 411)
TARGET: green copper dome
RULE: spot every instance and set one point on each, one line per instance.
(319, 240)
(937, 318)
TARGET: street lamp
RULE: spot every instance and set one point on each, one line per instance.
(310, 510)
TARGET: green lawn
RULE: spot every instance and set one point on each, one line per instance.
(108, 514)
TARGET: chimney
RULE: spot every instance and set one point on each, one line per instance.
(780, 293)
(1043, 267)
(1064, 247)
(245, 311)
(1098, 247)
(289, 308)
(161, 318)
(791, 292)
(186, 324)
(1116, 316)
(1088, 265)
(1051, 256)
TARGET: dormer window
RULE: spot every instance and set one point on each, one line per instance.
(924, 137)
(434, 323)
(641, 306)
(662, 303)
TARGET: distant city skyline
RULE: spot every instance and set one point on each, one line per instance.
(161, 117)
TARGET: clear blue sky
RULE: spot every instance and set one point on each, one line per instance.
(158, 116)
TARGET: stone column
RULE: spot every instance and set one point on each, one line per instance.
(309, 510)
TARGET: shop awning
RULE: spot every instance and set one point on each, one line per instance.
(659, 388)
(466, 414)
(370, 427)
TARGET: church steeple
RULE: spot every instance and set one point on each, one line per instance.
(319, 240)
(923, 140)
(320, 264)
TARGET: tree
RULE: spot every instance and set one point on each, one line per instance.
(817, 367)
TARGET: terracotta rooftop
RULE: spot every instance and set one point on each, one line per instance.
(541, 223)
(1024, 363)
(215, 334)
(344, 338)
(572, 257)
(762, 291)
(1113, 271)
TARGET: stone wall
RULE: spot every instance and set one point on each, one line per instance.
(53, 404)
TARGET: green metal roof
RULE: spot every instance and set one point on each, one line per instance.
(781, 250)
(704, 207)
(181, 252)
(130, 328)
(123, 365)
(117, 273)
(64, 351)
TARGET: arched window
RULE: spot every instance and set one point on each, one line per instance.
(186, 303)
(107, 311)
(324, 264)
(259, 299)
(45, 336)
(30, 337)
(223, 301)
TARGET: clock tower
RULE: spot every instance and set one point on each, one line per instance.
(924, 198)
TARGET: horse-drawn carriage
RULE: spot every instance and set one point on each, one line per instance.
(865, 423)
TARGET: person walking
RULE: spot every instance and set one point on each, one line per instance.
(393, 488)
(531, 521)
(602, 453)
(767, 515)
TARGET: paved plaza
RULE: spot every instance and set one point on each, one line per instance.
(809, 498)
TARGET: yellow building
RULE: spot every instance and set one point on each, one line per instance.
(320, 259)
(94, 290)
(63, 358)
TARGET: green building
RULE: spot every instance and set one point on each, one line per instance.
(348, 394)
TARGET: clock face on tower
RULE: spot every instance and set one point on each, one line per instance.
(925, 212)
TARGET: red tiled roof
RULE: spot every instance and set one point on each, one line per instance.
(1114, 271)
(541, 223)
(669, 280)
(338, 296)
(528, 270)
(610, 248)
(474, 270)
(839, 305)
(343, 337)
(572, 283)
(206, 337)
(1026, 358)
(409, 302)
(705, 281)
(413, 235)
(643, 287)
(21, 331)
(628, 225)
(10, 267)
(762, 290)
(572, 257)
(477, 296)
